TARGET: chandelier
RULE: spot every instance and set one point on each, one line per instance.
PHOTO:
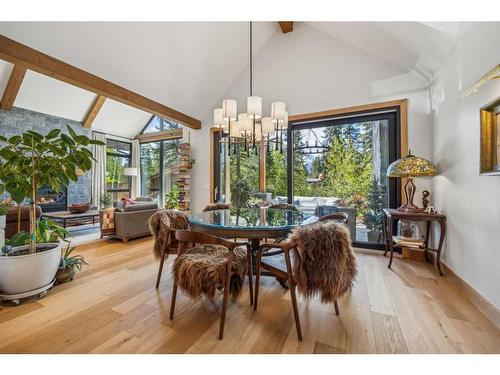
(251, 128)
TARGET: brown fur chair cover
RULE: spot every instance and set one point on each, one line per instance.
(217, 206)
(283, 206)
(163, 225)
(201, 270)
(324, 262)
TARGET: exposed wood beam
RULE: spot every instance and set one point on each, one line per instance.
(93, 111)
(39, 62)
(13, 86)
(286, 26)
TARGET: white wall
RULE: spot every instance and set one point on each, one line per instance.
(312, 71)
(471, 202)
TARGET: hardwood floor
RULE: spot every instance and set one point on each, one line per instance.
(113, 307)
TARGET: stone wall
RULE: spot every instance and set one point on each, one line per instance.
(18, 120)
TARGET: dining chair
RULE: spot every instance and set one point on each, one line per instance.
(318, 259)
(206, 264)
(163, 225)
(217, 206)
(341, 217)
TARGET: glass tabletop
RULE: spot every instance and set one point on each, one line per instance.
(252, 218)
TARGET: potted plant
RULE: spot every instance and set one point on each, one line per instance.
(69, 264)
(5, 206)
(374, 218)
(27, 161)
(172, 199)
(106, 200)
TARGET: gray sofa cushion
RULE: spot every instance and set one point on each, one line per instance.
(140, 207)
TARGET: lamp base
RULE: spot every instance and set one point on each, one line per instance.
(409, 189)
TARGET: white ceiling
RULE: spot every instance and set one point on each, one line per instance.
(189, 65)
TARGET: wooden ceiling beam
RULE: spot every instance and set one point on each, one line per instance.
(13, 86)
(286, 26)
(93, 111)
(19, 54)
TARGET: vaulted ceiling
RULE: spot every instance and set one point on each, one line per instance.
(189, 65)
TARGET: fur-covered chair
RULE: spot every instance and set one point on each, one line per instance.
(317, 259)
(163, 225)
(217, 206)
(206, 264)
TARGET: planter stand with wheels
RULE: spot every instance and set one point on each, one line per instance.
(16, 297)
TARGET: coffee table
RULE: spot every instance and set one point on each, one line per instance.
(68, 219)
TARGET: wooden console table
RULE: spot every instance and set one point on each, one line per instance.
(392, 215)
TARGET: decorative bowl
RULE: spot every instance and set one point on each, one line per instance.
(79, 208)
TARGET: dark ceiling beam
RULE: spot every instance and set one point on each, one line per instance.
(24, 56)
(13, 86)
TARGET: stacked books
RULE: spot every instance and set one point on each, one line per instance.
(408, 242)
(184, 176)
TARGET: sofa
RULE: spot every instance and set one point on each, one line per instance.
(12, 216)
(132, 221)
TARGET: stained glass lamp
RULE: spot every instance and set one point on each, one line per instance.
(409, 167)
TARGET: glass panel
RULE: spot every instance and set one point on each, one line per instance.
(276, 168)
(244, 172)
(115, 179)
(157, 124)
(170, 165)
(117, 147)
(342, 168)
(150, 169)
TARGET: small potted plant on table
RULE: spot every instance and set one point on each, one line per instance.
(26, 162)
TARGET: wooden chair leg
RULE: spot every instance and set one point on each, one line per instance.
(160, 270)
(172, 302)
(250, 273)
(291, 284)
(337, 312)
(257, 282)
(226, 295)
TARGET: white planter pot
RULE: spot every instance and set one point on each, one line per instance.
(24, 273)
(2, 230)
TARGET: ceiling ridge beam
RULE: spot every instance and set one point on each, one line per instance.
(286, 26)
(19, 54)
(93, 111)
(13, 86)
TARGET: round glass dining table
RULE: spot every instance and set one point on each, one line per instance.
(254, 224)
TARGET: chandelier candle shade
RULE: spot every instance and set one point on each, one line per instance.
(409, 167)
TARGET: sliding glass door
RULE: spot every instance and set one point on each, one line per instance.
(339, 165)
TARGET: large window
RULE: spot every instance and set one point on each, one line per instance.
(331, 164)
(159, 161)
(340, 165)
(118, 157)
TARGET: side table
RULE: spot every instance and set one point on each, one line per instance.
(392, 215)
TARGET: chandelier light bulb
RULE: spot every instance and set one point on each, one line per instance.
(229, 110)
(254, 107)
(278, 112)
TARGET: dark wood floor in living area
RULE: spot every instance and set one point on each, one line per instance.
(113, 307)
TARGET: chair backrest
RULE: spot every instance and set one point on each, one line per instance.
(163, 224)
(335, 216)
(203, 238)
(283, 206)
(325, 262)
(217, 206)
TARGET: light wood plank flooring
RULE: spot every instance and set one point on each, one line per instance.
(113, 307)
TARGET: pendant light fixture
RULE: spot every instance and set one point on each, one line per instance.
(251, 127)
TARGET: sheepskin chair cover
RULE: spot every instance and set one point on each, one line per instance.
(324, 261)
(201, 270)
(163, 225)
(217, 206)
